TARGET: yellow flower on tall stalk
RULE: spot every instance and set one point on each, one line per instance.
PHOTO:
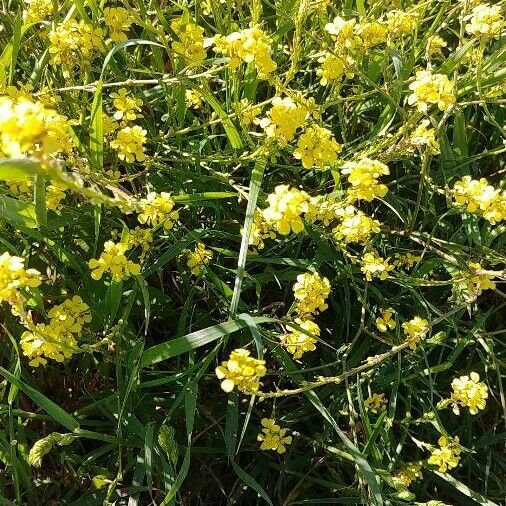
(429, 88)
(355, 226)
(447, 456)
(386, 321)
(129, 143)
(317, 148)
(199, 258)
(126, 106)
(375, 403)
(310, 291)
(425, 138)
(478, 281)
(372, 33)
(118, 20)
(415, 330)
(190, 45)
(485, 22)
(435, 44)
(469, 392)
(286, 209)
(408, 474)
(55, 195)
(333, 68)
(283, 119)
(241, 371)
(72, 314)
(273, 437)
(375, 266)
(363, 177)
(156, 209)
(401, 23)
(343, 32)
(38, 10)
(14, 278)
(113, 260)
(298, 342)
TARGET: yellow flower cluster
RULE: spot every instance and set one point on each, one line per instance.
(298, 342)
(325, 209)
(140, 237)
(424, 137)
(22, 188)
(273, 437)
(434, 45)
(156, 209)
(429, 88)
(58, 339)
(37, 10)
(386, 321)
(477, 196)
(447, 456)
(118, 20)
(55, 195)
(28, 128)
(190, 44)
(401, 23)
(372, 33)
(198, 258)
(485, 22)
(126, 106)
(74, 42)
(260, 230)
(478, 281)
(193, 99)
(375, 403)
(251, 45)
(13, 278)
(469, 392)
(317, 148)
(283, 119)
(129, 143)
(415, 330)
(247, 112)
(311, 292)
(241, 371)
(286, 209)
(363, 177)
(408, 474)
(374, 266)
(355, 226)
(342, 32)
(113, 260)
(333, 68)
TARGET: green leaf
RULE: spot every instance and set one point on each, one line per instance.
(195, 340)
(18, 213)
(16, 169)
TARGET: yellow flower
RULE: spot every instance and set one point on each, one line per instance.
(108, 124)
(386, 321)
(286, 207)
(199, 258)
(158, 208)
(447, 456)
(375, 403)
(297, 342)
(38, 10)
(21, 188)
(311, 292)
(478, 280)
(333, 68)
(425, 137)
(129, 143)
(317, 148)
(363, 176)
(193, 99)
(251, 45)
(27, 128)
(140, 237)
(486, 21)
(343, 32)
(470, 392)
(401, 23)
(114, 261)
(408, 474)
(13, 278)
(118, 20)
(273, 437)
(374, 266)
(247, 112)
(434, 45)
(325, 209)
(406, 260)
(372, 33)
(71, 315)
(415, 330)
(283, 119)
(429, 88)
(55, 195)
(74, 42)
(260, 230)
(126, 106)
(477, 196)
(355, 226)
(190, 44)
(241, 371)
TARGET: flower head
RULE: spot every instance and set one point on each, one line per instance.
(415, 330)
(190, 44)
(158, 208)
(447, 456)
(126, 105)
(469, 392)
(37, 10)
(198, 258)
(429, 88)
(485, 22)
(298, 342)
(310, 292)
(317, 148)
(241, 371)
(283, 119)
(408, 474)
(118, 20)
(363, 177)
(374, 266)
(114, 261)
(333, 68)
(375, 403)
(273, 437)
(355, 226)
(129, 143)
(386, 321)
